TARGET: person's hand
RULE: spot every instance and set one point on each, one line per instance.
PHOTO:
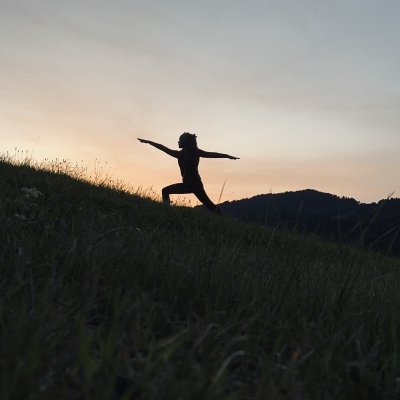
(233, 158)
(143, 140)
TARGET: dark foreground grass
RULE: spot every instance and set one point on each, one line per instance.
(109, 295)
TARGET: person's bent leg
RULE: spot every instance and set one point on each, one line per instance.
(176, 188)
(165, 194)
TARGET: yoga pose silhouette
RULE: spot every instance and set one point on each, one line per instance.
(188, 160)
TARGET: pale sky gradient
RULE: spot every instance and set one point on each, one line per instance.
(306, 93)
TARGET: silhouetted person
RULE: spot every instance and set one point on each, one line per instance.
(188, 160)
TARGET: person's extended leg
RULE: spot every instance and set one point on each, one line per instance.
(201, 194)
(176, 188)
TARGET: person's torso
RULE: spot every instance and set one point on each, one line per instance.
(188, 161)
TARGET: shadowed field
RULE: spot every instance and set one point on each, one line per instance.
(107, 294)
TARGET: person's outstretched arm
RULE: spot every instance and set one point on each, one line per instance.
(173, 153)
(208, 154)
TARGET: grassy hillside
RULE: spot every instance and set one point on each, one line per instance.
(109, 295)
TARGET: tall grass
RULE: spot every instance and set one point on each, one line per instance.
(107, 294)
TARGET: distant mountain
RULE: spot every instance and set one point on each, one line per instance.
(375, 226)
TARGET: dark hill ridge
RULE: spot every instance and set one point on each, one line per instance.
(375, 225)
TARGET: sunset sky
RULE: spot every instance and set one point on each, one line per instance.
(306, 93)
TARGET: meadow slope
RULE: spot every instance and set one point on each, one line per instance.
(109, 295)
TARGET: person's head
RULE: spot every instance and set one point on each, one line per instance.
(187, 140)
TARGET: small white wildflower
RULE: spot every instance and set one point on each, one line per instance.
(32, 192)
(20, 217)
